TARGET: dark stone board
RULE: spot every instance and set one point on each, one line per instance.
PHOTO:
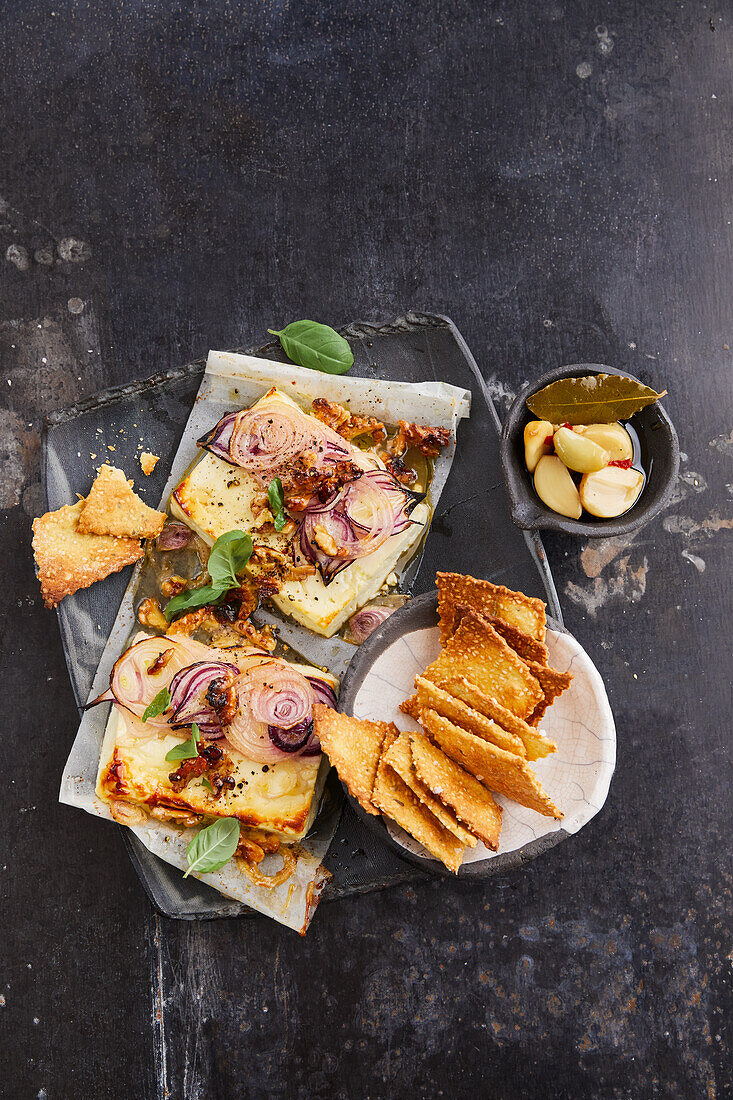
(556, 178)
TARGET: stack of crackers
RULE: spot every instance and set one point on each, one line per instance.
(84, 542)
(479, 705)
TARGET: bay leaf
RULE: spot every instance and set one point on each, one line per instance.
(592, 399)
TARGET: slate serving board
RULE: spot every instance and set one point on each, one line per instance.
(471, 532)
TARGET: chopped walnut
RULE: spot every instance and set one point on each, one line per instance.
(304, 480)
(400, 471)
(347, 424)
(173, 586)
(429, 441)
(176, 817)
(150, 614)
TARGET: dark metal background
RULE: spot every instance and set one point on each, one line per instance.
(556, 176)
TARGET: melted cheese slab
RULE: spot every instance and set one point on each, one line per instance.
(280, 797)
(216, 497)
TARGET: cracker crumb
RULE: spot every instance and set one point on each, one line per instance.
(148, 462)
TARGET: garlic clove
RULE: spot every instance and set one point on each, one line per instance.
(537, 442)
(556, 488)
(610, 492)
(578, 453)
(612, 437)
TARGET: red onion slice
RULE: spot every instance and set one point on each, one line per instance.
(219, 438)
(323, 693)
(270, 694)
(174, 536)
(366, 621)
(267, 437)
(134, 687)
(188, 703)
(294, 738)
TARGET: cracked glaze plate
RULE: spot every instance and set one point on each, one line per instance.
(577, 776)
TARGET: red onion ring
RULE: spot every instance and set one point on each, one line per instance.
(358, 519)
(270, 436)
(270, 694)
(219, 438)
(135, 688)
(366, 621)
(188, 689)
(174, 536)
(323, 693)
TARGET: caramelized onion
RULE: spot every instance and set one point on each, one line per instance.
(188, 690)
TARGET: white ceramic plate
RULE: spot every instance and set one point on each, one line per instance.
(576, 777)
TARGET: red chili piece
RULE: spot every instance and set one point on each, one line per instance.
(624, 463)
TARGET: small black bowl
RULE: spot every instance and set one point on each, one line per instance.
(660, 458)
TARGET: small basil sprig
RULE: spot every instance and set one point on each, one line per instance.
(316, 346)
(187, 750)
(276, 500)
(229, 555)
(160, 703)
(213, 846)
(208, 784)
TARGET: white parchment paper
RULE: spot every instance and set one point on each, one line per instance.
(234, 381)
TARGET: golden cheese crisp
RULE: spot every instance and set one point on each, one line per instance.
(395, 799)
(454, 590)
(148, 462)
(353, 746)
(536, 743)
(399, 757)
(523, 644)
(498, 770)
(431, 697)
(469, 799)
(113, 509)
(553, 683)
(476, 652)
(69, 560)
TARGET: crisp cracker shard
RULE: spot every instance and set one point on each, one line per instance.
(395, 799)
(399, 757)
(469, 799)
(113, 509)
(148, 462)
(431, 697)
(353, 746)
(69, 560)
(498, 770)
(476, 652)
(536, 743)
(455, 590)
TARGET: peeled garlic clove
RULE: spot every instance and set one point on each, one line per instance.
(556, 488)
(612, 437)
(536, 437)
(579, 453)
(610, 492)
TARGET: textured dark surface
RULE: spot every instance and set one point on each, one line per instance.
(556, 177)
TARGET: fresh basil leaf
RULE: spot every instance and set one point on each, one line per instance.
(229, 555)
(195, 597)
(160, 703)
(276, 501)
(207, 783)
(316, 346)
(187, 750)
(213, 846)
